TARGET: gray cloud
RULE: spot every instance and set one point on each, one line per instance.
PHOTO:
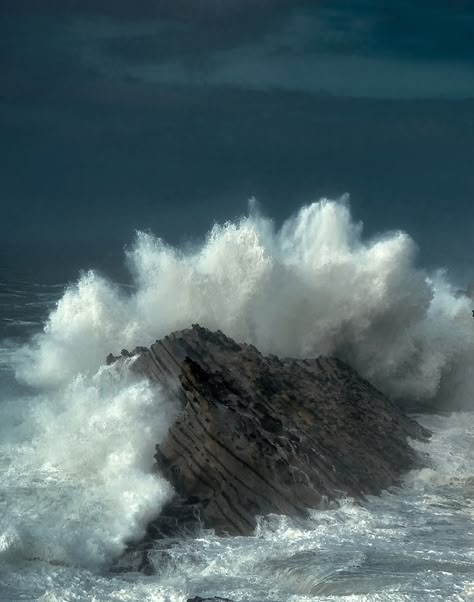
(366, 48)
(116, 115)
(145, 9)
(282, 35)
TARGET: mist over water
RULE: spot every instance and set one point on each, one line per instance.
(77, 440)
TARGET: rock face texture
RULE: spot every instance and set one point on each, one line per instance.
(259, 435)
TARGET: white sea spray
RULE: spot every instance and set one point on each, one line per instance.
(314, 286)
(77, 454)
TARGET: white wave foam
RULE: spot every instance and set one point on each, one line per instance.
(450, 449)
(77, 457)
(313, 287)
(76, 464)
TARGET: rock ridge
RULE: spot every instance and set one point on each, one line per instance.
(259, 435)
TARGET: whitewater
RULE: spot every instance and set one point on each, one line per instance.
(77, 437)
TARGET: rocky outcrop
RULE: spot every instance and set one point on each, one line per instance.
(199, 599)
(259, 434)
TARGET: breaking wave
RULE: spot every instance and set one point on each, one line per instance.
(76, 455)
(76, 464)
(314, 286)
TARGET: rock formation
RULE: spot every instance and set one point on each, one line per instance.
(259, 435)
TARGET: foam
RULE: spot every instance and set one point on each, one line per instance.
(76, 457)
(77, 469)
(315, 286)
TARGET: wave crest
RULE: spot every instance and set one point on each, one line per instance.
(314, 286)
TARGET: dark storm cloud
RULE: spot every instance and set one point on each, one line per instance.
(168, 115)
(145, 9)
(156, 31)
(281, 43)
(54, 42)
(432, 29)
(362, 48)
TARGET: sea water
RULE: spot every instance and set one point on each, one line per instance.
(77, 437)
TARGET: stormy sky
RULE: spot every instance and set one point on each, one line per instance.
(169, 114)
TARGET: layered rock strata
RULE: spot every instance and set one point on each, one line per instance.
(259, 435)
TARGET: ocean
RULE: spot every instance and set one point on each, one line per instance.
(77, 437)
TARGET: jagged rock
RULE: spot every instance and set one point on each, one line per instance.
(199, 599)
(260, 435)
(111, 359)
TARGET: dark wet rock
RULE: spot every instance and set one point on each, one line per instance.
(259, 435)
(111, 359)
(181, 516)
(134, 559)
(199, 599)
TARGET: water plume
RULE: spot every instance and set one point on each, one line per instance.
(314, 286)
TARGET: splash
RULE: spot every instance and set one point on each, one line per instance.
(76, 461)
(76, 457)
(314, 286)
